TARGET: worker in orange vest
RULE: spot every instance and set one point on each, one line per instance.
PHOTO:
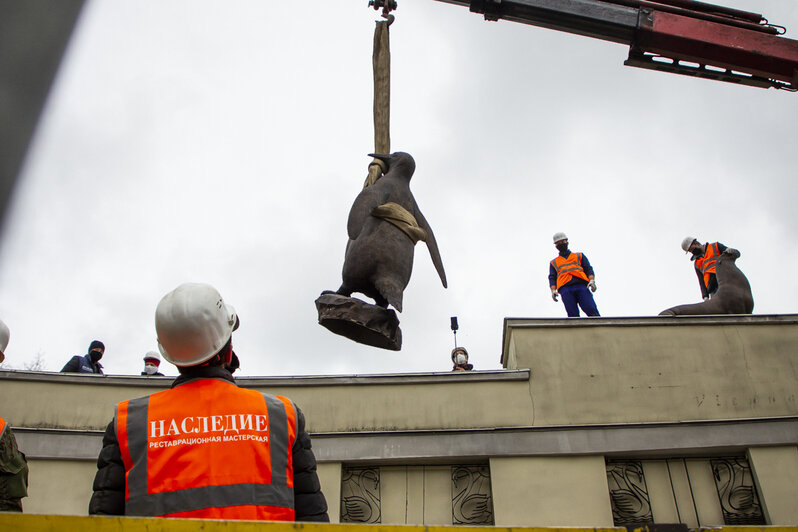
(13, 464)
(206, 448)
(570, 276)
(705, 256)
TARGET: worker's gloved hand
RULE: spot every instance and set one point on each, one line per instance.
(706, 298)
(554, 295)
(592, 285)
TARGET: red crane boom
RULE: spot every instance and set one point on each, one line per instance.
(680, 36)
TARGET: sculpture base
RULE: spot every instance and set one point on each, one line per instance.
(359, 321)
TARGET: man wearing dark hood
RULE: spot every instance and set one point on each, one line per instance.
(88, 363)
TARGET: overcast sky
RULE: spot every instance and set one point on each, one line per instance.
(225, 143)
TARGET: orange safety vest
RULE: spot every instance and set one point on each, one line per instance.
(568, 267)
(2, 426)
(706, 264)
(208, 449)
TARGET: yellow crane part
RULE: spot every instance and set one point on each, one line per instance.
(18, 522)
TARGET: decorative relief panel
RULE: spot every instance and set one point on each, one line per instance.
(738, 498)
(472, 499)
(631, 504)
(360, 495)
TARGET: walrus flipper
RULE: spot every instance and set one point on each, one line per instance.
(432, 246)
(691, 309)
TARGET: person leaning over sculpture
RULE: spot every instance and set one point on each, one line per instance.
(13, 465)
(705, 257)
(88, 363)
(570, 275)
(206, 448)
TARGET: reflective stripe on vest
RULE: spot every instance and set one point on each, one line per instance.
(707, 263)
(568, 267)
(234, 462)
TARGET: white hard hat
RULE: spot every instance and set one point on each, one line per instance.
(193, 323)
(5, 334)
(686, 243)
(152, 355)
(559, 236)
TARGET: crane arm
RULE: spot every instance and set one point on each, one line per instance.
(679, 36)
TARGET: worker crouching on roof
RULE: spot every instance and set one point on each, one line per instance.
(206, 448)
(705, 256)
(570, 276)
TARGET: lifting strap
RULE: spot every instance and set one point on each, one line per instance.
(381, 62)
(400, 217)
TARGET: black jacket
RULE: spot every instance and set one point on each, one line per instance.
(109, 482)
(82, 364)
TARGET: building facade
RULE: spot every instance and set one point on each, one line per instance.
(594, 422)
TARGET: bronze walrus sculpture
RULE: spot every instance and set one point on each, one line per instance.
(733, 295)
(379, 254)
(384, 226)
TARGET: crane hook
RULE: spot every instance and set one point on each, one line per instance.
(387, 6)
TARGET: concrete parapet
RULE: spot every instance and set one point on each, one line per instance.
(415, 401)
(663, 369)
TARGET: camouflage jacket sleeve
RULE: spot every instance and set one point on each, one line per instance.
(13, 473)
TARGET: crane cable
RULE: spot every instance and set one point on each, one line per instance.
(391, 212)
(381, 63)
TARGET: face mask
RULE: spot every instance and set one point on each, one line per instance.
(562, 246)
(459, 359)
(95, 356)
(150, 370)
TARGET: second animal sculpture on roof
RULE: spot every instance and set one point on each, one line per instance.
(384, 225)
(732, 297)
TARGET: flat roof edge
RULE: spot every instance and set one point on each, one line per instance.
(640, 321)
(636, 321)
(283, 381)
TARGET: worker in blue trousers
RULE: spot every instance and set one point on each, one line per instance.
(570, 276)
